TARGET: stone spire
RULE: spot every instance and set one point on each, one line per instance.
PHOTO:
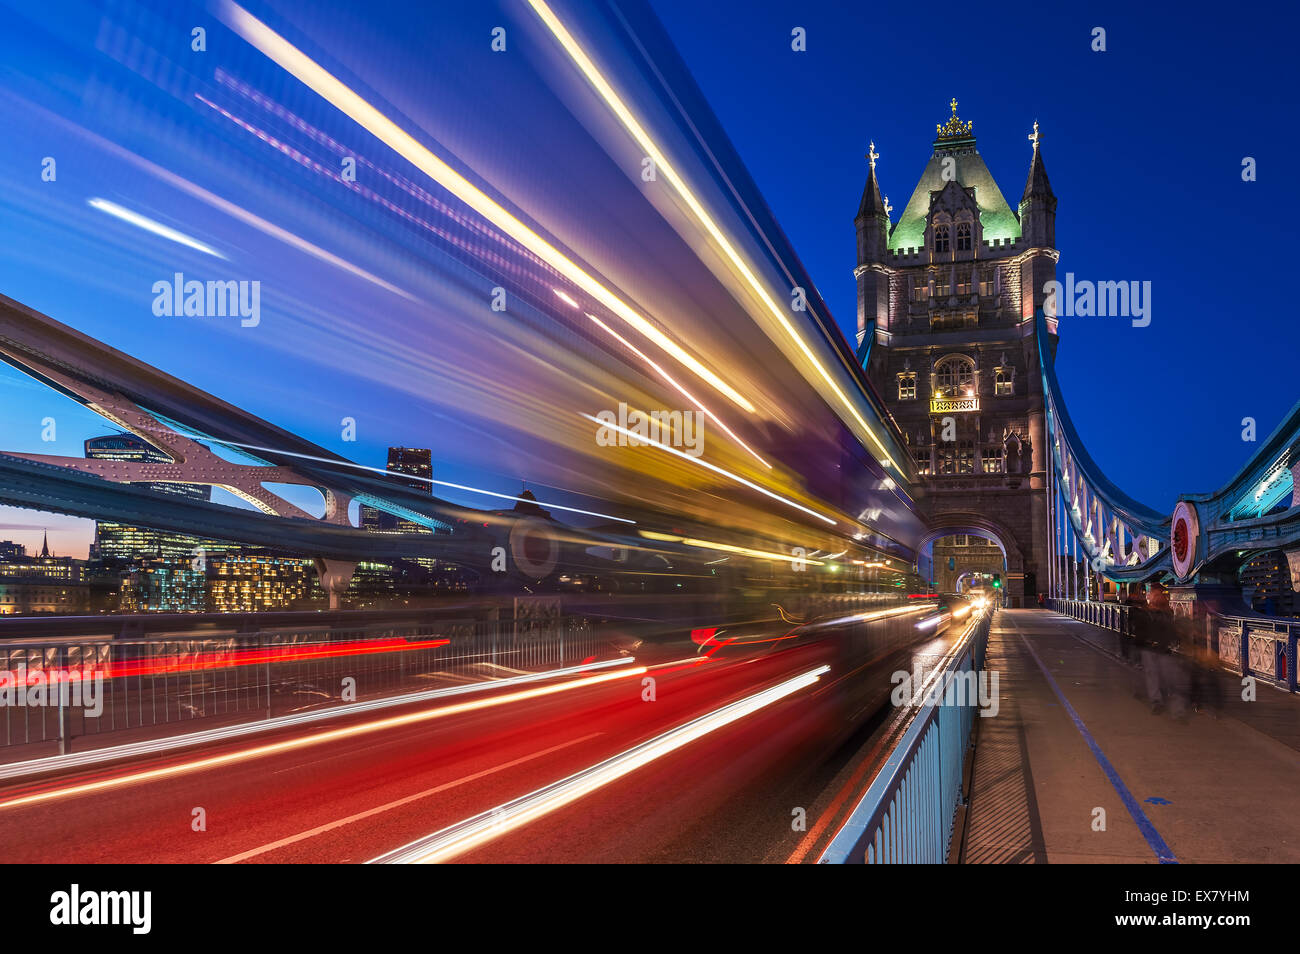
(871, 203)
(1038, 204)
(45, 545)
(873, 228)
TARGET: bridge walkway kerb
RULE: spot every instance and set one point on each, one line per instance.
(1078, 766)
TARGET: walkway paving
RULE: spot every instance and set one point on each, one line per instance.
(1076, 766)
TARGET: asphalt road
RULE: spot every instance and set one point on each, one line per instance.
(771, 786)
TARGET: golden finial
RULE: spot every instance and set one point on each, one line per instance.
(1035, 136)
(872, 155)
(955, 128)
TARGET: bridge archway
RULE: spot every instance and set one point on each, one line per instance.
(1007, 559)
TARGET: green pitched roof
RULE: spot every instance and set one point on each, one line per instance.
(995, 215)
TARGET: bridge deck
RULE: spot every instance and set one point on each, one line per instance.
(1076, 732)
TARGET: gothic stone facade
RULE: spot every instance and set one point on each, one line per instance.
(946, 302)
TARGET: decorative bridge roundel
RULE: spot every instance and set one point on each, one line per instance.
(534, 548)
(1184, 533)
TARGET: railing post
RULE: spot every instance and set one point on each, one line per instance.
(1290, 658)
(262, 640)
(1243, 649)
(65, 743)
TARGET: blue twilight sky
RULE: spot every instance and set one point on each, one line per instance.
(1143, 144)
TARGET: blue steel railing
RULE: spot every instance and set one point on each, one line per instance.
(1265, 647)
(907, 815)
(1112, 616)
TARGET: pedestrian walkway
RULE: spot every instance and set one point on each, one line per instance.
(1077, 768)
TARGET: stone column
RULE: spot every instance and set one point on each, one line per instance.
(335, 575)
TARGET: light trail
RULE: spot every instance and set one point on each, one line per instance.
(726, 548)
(401, 802)
(487, 826)
(150, 225)
(342, 462)
(681, 390)
(155, 746)
(663, 166)
(347, 101)
(332, 735)
(708, 466)
(220, 659)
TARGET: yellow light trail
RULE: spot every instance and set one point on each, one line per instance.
(343, 98)
(662, 165)
(708, 466)
(681, 390)
(727, 548)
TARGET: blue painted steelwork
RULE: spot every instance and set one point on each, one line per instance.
(1126, 541)
(907, 815)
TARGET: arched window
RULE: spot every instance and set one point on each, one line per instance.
(941, 238)
(1003, 381)
(954, 375)
(907, 386)
(963, 236)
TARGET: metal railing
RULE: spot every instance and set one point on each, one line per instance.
(52, 692)
(1259, 646)
(1255, 646)
(907, 814)
(1112, 616)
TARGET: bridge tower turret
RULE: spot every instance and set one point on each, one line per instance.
(948, 293)
(872, 222)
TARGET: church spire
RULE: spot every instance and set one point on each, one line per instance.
(45, 545)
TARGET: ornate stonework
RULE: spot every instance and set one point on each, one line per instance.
(946, 297)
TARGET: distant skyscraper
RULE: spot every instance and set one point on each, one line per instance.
(121, 541)
(418, 463)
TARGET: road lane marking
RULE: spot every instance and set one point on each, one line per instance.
(370, 812)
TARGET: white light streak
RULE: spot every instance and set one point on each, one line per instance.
(151, 226)
(487, 826)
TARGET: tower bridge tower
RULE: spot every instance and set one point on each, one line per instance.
(946, 301)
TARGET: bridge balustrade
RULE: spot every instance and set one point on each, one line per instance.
(1248, 645)
(51, 692)
(908, 813)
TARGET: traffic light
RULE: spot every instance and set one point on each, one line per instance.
(997, 581)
